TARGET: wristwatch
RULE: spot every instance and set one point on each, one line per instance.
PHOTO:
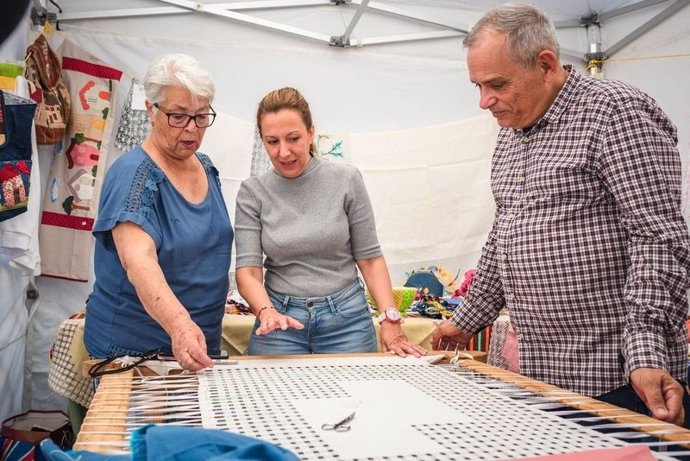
(391, 314)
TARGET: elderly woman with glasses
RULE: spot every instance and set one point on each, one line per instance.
(163, 234)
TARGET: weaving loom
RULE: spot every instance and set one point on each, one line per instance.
(464, 411)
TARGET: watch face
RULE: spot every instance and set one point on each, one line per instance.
(392, 314)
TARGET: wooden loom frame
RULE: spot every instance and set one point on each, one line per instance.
(110, 405)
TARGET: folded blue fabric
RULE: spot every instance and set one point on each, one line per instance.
(181, 443)
(52, 452)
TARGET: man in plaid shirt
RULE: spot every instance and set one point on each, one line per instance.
(588, 249)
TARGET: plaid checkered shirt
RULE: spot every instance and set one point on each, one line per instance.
(588, 249)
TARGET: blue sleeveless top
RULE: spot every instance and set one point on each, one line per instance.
(193, 243)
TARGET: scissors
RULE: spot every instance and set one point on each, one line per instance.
(340, 426)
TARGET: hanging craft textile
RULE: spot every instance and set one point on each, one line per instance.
(260, 162)
(134, 124)
(16, 118)
(75, 179)
(43, 72)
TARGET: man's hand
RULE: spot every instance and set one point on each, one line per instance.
(449, 337)
(662, 394)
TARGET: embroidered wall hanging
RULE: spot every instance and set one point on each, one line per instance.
(16, 119)
(76, 175)
(332, 147)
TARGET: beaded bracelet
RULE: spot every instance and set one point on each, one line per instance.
(270, 306)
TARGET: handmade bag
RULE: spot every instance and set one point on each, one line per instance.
(21, 434)
(43, 70)
(15, 153)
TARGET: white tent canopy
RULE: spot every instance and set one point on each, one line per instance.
(388, 75)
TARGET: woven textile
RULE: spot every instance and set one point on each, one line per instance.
(64, 376)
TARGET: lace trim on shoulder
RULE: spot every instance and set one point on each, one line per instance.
(209, 167)
(144, 187)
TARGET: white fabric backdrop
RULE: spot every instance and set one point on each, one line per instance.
(430, 191)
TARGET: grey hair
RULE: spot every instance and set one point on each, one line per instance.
(178, 70)
(528, 31)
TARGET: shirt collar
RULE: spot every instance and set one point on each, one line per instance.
(566, 93)
(562, 101)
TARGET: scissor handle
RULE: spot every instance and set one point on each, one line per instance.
(340, 426)
(335, 427)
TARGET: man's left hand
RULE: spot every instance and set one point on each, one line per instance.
(662, 394)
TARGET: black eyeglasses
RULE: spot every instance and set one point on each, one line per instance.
(177, 120)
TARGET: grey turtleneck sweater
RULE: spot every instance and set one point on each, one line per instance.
(311, 228)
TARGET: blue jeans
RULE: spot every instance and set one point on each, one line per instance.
(336, 323)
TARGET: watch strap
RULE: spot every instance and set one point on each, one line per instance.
(396, 318)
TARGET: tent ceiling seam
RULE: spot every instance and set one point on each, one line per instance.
(230, 11)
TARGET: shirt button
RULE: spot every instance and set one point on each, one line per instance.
(504, 256)
(511, 296)
(520, 179)
(525, 139)
(511, 215)
(520, 337)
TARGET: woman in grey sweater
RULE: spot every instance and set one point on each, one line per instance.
(310, 224)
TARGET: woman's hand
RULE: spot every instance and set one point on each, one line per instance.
(378, 281)
(251, 287)
(393, 339)
(189, 346)
(271, 320)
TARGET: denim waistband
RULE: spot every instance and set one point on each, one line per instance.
(317, 301)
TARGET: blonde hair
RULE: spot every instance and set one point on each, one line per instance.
(286, 98)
